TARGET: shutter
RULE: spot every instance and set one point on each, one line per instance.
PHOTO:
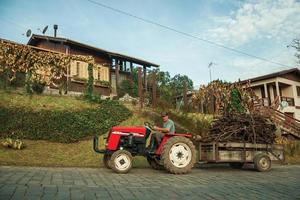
(95, 72)
(73, 68)
(85, 70)
(107, 73)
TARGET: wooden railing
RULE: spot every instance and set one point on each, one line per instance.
(275, 103)
(286, 122)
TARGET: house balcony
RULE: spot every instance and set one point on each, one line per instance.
(275, 103)
(289, 100)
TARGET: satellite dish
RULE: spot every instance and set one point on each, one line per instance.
(45, 29)
(284, 104)
(28, 33)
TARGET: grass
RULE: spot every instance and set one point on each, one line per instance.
(38, 102)
(52, 154)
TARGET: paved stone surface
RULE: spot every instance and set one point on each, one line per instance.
(214, 182)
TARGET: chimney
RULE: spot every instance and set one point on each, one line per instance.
(55, 26)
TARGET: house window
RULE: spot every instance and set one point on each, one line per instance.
(77, 68)
(298, 91)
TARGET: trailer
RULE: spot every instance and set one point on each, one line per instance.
(237, 154)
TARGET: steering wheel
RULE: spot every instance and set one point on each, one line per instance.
(149, 125)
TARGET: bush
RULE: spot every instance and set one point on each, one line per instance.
(195, 123)
(292, 147)
(38, 87)
(61, 125)
(129, 87)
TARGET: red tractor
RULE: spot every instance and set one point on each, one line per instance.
(176, 152)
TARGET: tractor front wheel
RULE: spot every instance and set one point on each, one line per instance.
(121, 161)
(106, 161)
(178, 155)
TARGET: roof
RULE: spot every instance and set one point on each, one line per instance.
(33, 47)
(273, 75)
(32, 41)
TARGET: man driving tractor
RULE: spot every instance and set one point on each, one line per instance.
(168, 127)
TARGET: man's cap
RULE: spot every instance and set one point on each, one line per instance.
(163, 114)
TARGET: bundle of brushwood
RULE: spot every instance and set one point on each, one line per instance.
(250, 128)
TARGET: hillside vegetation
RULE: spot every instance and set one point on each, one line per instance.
(54, 118)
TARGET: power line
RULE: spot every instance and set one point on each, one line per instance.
(184, 33)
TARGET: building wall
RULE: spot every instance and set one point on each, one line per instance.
(287, 91)
(81, 87)
(293, 93)
(102, 61)
(257, 92)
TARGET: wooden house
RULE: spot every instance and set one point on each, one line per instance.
(111, 67)
(277, 87)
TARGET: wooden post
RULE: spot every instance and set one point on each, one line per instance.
(140, 86)
(117, 74)
(154, 89)
(131, 71)
(145, 77)
(185, 95)
(278, 90)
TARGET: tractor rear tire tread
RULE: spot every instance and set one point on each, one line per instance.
(165, 155)
(154, 163)
(106, 161)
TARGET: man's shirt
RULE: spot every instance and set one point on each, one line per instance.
(169, 125)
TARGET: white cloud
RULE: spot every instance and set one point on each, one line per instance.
(249, 67)
(263, 19)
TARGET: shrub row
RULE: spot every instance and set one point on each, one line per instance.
(60, 126)
(195, 123)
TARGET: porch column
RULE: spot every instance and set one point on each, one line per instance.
(277, 90)
(266, 93)
(117, 68)
(145, 77)
(266, 90)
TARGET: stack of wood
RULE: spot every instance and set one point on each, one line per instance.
(242, 128)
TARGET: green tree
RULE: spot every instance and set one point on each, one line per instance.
(177, 83)
(129, 87)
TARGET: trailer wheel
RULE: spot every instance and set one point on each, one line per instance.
(106, 161)
(121, 161)
(178, 155)
(262, 162)
(154, 163)
(236, 165)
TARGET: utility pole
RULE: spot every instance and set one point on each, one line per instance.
(209, 67)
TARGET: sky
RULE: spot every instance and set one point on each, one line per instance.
(262, 28)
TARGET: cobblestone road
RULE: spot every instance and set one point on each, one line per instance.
(219, 182)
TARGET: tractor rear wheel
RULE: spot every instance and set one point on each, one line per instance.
(154, 163)
(106, 161)
(121, 161)
(178, 155)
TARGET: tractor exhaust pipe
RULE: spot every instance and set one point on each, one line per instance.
(95, 145)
